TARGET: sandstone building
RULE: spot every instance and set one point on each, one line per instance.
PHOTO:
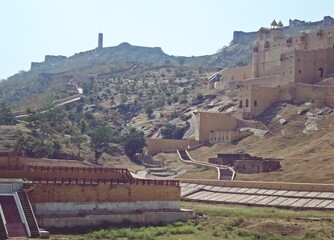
(294, 68)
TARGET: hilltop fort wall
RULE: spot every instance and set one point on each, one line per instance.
(295, 26)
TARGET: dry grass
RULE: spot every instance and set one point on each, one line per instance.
(305, 157)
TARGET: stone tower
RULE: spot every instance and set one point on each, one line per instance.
(100, 44)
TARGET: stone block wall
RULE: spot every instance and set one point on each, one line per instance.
(245, 163)
(169, 145)
(256, 166)
(48, 192)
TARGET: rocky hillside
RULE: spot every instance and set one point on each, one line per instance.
(46, 78)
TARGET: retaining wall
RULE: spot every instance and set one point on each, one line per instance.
(169, 145)
(47, 193)
(67, 208)
(137, 217)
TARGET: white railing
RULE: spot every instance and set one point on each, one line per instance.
(10, 187)
(3, 219)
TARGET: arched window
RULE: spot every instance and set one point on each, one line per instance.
(321, 72)
(255, 103)
(240, 104)
(266, 44)
(246, 102)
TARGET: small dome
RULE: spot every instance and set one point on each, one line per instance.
(274, 23)
(280, 24)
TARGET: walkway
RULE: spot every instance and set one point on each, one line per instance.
(56, 103)
(257, 196)
(223, 172)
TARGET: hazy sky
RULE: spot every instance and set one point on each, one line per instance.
(31, 29)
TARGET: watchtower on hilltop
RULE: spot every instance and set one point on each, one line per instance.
(100, 41)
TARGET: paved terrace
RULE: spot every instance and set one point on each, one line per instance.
(258, 196)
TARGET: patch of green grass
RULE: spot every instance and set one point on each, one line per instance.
(215, 222)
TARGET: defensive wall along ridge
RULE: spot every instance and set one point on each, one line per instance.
(59, 102)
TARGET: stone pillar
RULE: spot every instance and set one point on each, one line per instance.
(255, 65)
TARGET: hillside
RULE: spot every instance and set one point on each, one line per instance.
(143, 88)
(304, 145)
(46, 78)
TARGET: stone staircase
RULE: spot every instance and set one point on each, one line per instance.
(14, 225)
(3, 233)
(184, 155)
(225, 173)
(29, 214)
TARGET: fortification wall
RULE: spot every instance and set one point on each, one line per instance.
(53, 193)
(269, 61)
(323, 38)
(256, 166)
(169, 145)
(321, 94)
(254, 99)
(82, 173)
(267, 81)
(236, 74)
(227, 136)
(9, 159)
(64, 100)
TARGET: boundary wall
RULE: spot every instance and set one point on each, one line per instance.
(169, 145)
(49, 192)
(89, 173)
(153, 217)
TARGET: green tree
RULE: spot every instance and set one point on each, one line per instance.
(83, 125)
(175, 98)
(6, 117)
(101, 136)
(77, 140)
(134, 142)
(171, 131)
(149, 110)
(34, 147)
(199, 98)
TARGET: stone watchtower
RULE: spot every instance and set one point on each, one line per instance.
(100, 43)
